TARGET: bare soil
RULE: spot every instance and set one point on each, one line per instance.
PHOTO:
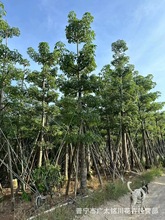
(25, 209)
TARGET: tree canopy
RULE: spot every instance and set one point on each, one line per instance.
(69, 118)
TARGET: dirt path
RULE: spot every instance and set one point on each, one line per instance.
(119, 210)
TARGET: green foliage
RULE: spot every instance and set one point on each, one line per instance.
(2, 10)
(151, 174)
(115, 190)
(47, 177)
(79, 31)
(25, 196)
(162, 162)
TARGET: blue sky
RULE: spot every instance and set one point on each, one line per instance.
(140, 23)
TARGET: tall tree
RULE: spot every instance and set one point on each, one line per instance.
(123, 76)
(147, 108)
(78, 83)
(42, 90)
(119, 97)
(9, 75)
(8, 58)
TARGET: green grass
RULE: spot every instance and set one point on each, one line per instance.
(147, 177)
(111, 191)
(60, 213)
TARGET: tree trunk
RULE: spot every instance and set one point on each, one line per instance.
(116, 156)
(136, 158)
(147, 163)
(89, 170)
(96, 167)
(125, 152)
(110, 149)
(11, 177)
(76, 171)
(66, 163)
(1, 100)
(70, 172)
(43, 121)
(83, 169)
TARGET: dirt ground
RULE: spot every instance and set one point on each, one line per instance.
(119, 210)
(21, 208)
(24, 209)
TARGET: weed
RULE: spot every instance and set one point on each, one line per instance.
(60, 213)
(146, 177)
(25, 196)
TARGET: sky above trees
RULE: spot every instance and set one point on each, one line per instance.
(139, 23)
